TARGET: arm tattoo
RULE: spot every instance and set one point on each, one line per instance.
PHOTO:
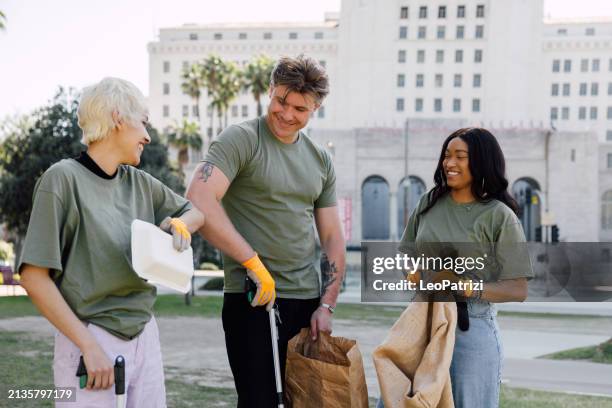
(328, 273)
(206, 171)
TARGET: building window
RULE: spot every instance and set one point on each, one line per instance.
(218, 36)
(606, 204)
(477, 56)
(439, 56)
(480, 10)
(460, 32)
(593, 113)
(554, 91)
(438, 80)
(442, 12)
(418, 105)
(479, 31)
(594, 89)
(401, 80)
(166, 88)
(403, 32)
(165, 111)
(554, 113)
(441, 34)
(565, 113)
(457, 81)
(609, 135)
(459, 56)
(609, 88)
(610, 160)
(566, 89)
(477, 80)
(609, 113)
(583, 89)
(185, 111)
(420, 80)
(234, 111)
(242, 36)
(475, 105)
(193, 36)
(456, 105)
(423, 12)
(318, 35)
(460, 11)
(438, 105)
(584, 65)
(595, 65)
(610, 65)
(267, 36)
(321, 112)
(556, 64)
(399, 104)
(195, 111)
(582, 113)
(245, 111)
(562, 31)
(166, 67)
(567, 65)
(590, 31)
(421, 56)
(293, 36)
(185, 65)
(401, 56)
(323, 63)
(422, 32)
(404, 13)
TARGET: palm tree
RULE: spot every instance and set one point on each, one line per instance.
(231, 83)
(2, 20)
(184, 136)
(192, 85)
(257, 77)
(212, 78)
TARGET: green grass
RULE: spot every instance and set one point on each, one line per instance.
(16, 306)
(521, 398)
(601, 353)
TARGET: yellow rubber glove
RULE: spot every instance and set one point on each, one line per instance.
(266, 293)
(181, 238)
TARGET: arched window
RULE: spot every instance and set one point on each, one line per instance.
(409, 192)
(526, 192)
(375, 208)
(606, 210)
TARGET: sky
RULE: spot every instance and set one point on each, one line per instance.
(75, 43)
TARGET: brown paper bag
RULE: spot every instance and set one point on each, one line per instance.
(326, 373)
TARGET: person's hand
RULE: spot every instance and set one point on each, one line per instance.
(181, 238)
(266, 288)
(100, 370)
(321, 321)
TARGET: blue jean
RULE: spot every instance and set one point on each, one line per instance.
(477, 360)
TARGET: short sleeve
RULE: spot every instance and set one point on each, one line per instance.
(410, 232)
(511, 252)
(231, 151)
(167, 203)
(42, 245)
(327, 198)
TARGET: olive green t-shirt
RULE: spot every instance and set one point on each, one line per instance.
(491, 223)
(80, 228)
(274, 190)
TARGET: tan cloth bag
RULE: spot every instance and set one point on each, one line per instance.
(326, 373)
(413, 363)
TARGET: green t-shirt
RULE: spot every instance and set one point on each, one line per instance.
(274, 190)
(492, 224)
(80, 228)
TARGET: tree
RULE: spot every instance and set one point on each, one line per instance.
(231, 83)
(184, 136)
(2, 20)
(154, 160)
(192, 85)
(212, 75)
(257, 78)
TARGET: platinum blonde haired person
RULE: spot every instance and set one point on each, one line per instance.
(76, 261)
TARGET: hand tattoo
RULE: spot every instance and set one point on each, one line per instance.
(206, 171)
(328, 273)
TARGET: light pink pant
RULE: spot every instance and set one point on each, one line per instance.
(144, 371)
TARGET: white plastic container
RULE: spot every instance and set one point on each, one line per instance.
(155, 259)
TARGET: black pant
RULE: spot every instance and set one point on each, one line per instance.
(249, 345)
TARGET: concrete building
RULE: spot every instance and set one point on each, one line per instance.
(406, 73)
